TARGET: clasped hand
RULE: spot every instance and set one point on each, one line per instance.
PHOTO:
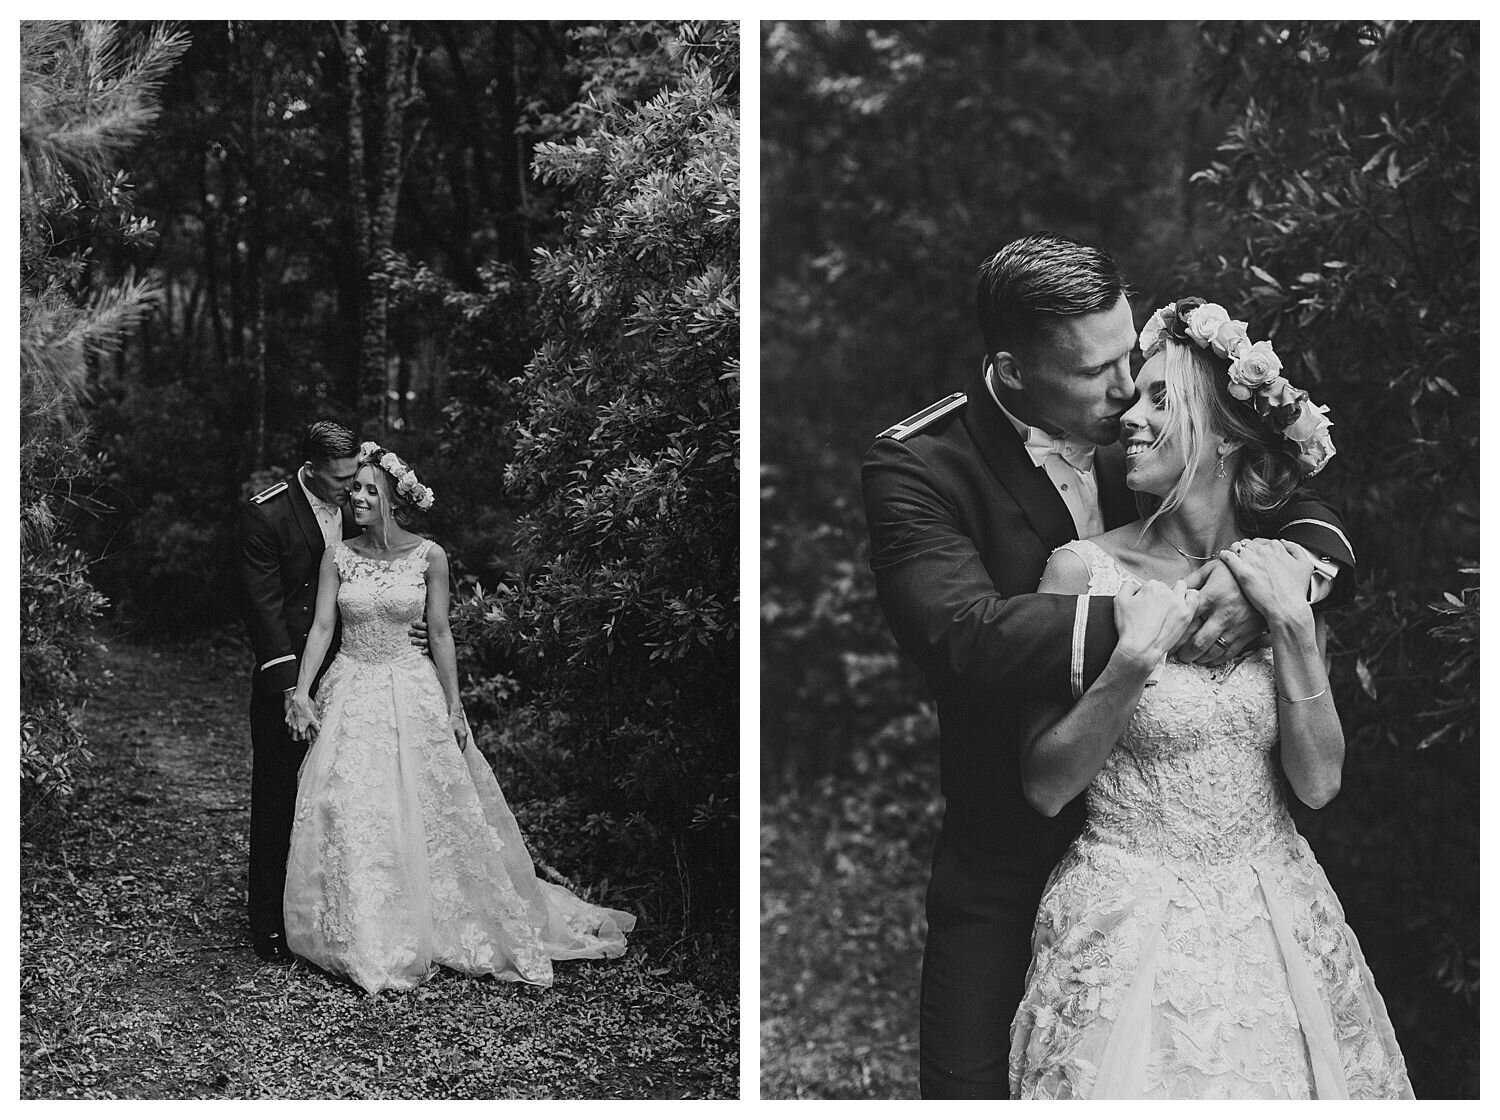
(1256, 580)
(301, 716)
(1273, 575)
(1151, 619)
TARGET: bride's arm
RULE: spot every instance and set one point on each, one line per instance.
(1312, 738)
(1063, 747)
(440, 640)
(325, 614)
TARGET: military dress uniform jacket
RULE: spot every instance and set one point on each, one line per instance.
(281, 547)
(961, 526)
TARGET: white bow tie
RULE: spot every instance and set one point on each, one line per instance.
(1079, 456)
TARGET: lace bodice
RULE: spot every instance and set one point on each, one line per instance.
(1195, 775)
(379, 600)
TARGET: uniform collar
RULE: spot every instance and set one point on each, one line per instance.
(313, 500)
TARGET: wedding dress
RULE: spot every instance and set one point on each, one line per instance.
(1188, 944)
(404, 854)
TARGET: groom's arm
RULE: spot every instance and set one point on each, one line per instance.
(264, 602)
(943, 606)
(1308, 520)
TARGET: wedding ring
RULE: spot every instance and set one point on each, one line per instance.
(1221, 642)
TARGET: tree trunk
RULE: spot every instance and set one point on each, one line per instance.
(253, 59)
(375, 210)
(514, 246)
(211, 262)
(359, 197)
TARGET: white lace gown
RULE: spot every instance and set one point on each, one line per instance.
(404, 854)
(1188, 944)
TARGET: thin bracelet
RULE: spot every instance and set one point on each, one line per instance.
(1302, 699)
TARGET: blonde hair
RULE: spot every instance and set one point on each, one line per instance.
(1200, 410)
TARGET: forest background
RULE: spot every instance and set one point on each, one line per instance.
(509, 251)
(1318, 179)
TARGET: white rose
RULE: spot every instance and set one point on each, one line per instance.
(1316, 452)
(1256, 366)
(1308, 423)
(1204, 321)
(1231, 337)
(1151, 333)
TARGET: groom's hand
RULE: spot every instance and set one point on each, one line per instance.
(417, 632)
(1225, 622)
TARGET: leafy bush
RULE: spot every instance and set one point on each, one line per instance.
(620, 623)
(1350, 231)
(85, 95)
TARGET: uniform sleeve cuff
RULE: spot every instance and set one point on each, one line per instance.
(280, 674)
(1094, 638)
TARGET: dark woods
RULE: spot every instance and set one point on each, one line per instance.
(1320, 181)
(508, 250)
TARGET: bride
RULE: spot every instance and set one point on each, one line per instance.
(404, 855)
(1188, 943)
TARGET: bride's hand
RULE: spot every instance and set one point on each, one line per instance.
(1274, 577)
(301, 716)
(1151, 618)
(459, 724)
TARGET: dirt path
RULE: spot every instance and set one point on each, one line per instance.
(137, 979)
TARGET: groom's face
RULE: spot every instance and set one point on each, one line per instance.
(330, 479)
(1077, 380)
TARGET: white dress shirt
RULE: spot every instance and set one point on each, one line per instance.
(330, 517)
(1078, 489)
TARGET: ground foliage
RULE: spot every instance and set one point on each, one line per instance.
(137, 978)
(1320, 180)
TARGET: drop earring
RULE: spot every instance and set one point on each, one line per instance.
(1219, 469)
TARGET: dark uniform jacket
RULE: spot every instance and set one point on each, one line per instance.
(281, 546)
(961, 525)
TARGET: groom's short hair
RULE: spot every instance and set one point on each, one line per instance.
(1040, 278)
(325, 440)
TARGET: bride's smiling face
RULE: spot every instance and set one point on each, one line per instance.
(1154, 458)
(365, 499)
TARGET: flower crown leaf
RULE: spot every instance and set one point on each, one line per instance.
(1254, 374)
(407, 484)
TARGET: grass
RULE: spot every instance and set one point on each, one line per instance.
(137, 978)
(844, 867)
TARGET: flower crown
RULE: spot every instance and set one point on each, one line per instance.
(407, 486)
(1254, 374)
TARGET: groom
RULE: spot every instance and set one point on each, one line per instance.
(965, 501)
(283, 532)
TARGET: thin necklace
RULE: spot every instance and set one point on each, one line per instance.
(1184, 555)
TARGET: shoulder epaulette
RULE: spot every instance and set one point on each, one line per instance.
(919, 420)
(268, 493)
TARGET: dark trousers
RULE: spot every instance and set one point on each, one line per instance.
(981, 904)
(273, 797)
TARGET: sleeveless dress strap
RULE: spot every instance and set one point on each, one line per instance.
(1106, 577)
